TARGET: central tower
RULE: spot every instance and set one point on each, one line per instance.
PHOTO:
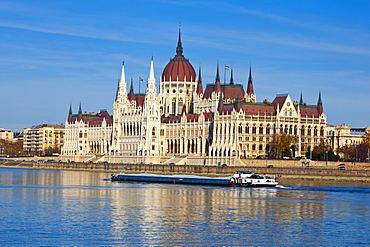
(177, 84)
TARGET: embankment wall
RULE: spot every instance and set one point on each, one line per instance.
(362, 173)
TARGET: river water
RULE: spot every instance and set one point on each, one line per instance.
(78, 208)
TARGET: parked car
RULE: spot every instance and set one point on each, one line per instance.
(341, 166)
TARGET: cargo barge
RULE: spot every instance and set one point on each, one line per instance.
(240, 179)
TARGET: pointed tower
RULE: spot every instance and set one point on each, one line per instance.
(151, 91)
(199, 85)
(177, 83)
(179, 49)
(301, 99)
(121, 90)
(131, 94)
(217, 87)
(150, 119)
(250, 96)
(79, 117)
(231, 77)
(320, 108)
(121, 104)
(70, 113)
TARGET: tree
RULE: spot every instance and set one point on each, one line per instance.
(323, 152)
(50, 151)
(346, 151)
(280, 145)
(11, 148)
(366, 139)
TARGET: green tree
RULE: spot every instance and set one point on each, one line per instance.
(323, 152)
(280, 145)
(345, 151)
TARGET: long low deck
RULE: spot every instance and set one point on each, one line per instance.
(175, 179)
(241, 179)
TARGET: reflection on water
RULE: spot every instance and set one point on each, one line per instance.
(83, 208)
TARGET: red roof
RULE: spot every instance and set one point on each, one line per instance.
(93, 119)
(232, 91)
(229, 91)
(309, 111)
(251, 109)
(280, 100)
(208, 92)
(258, 109)
(179, 69)
(140, 99)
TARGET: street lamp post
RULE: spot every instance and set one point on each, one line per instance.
(327, 156)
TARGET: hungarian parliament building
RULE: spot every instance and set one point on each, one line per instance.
(187, 123)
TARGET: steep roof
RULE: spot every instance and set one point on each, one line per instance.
(229, 91)
(251, 108)
(95, 119)
(309, 111)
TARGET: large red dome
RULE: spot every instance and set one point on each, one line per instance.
(179, 68)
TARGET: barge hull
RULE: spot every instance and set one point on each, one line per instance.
(174, 180)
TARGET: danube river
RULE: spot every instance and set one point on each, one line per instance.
(77, 208)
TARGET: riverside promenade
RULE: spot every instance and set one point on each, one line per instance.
(359, 172)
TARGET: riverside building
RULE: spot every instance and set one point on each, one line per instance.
(185, 123)
(40, 138)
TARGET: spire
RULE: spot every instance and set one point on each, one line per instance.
(151, 72)
(70, 113)
(80, 109)
(199, 86)
(79, 117)
(301, 99)
(231, 77)
(319, 104)
(217, 87)
(70, 110)
(151, 104)
(319, 101)
(121, 89)
(150, 88)
(179, 49)
(131, 95)
(131, 86)
(250, 82)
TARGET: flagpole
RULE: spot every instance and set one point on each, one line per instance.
(139, 85)
(225, 75)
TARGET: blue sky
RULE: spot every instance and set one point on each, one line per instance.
(57, 53)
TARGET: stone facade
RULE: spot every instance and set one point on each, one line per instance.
(342, 135)
(221, 124)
